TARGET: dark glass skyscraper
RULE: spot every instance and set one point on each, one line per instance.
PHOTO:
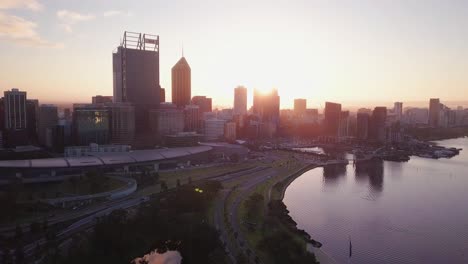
(136, 75)
(332, 119)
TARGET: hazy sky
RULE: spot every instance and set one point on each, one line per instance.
(359, 50)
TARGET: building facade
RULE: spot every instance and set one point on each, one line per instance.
(300, 106)
(136, 76)
(48, 120)
(434, 112)
(240, 100)
(122, 123)
(91, 124)
(181, 83)
(332, 119)
(204, 103)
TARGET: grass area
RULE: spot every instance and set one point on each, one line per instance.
(255, 233)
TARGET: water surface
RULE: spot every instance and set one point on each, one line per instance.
(412, 212)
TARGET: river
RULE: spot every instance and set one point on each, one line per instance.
(394, 212)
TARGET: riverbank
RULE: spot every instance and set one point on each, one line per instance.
(311, 245)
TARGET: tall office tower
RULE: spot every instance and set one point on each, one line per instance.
(377, 124)
(398, 110)
(240, 100)
(100, 99)
(344, 124)
(332, 119)
(267, 106)
(362, 126)
(15, 116)
(300, 106)
(203, 102)
(136, 75)
(181, 83)
(192, 118)
(162, 96)
(15, 109)
(434, 112)
(91, 124)
(32, 119)
(122, 123)
(48, 119)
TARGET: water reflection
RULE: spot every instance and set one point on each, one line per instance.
(371, 170)
(333, 173)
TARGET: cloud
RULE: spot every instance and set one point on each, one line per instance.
(29, 4)
(70, 18)
(22, 31)
(111, 13)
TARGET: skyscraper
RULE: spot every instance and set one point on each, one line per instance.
(192, 118)
(240, 100)
(300, 106)
(434, 112)
(377, 124)
(48, 119)
(122, 123)
(267, 106)
(101, 99)
(162, 97)
(181, 83)
(332, 119)
(204, 103)
(15, 109)
(15, 116)
(136, 75)
(398, 110)
(362, 126)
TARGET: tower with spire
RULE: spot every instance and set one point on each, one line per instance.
(181, 82)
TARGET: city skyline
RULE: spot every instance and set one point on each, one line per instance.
(425, 47)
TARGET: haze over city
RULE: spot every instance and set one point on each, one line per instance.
(354, 52)
(233, 132)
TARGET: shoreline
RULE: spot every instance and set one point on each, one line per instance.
(319, 253)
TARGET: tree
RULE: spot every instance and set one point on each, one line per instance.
(18, 232)
(178, 182)
(35, 227)
(190, 179)
(45, 225)
(163, 186)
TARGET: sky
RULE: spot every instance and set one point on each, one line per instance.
(342, 51)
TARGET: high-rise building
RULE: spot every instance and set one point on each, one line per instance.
(332, 119)
(203, 102)
(15, 118)
(91, 124)
(267, 106)
(434, 112)
(122, 123)
(362, 126)
(162, 96)
(48, 119)
(136, 75)
(344, 124)
(230, 130)
(167, 121)
(377, 124)
(32, 119)
(240, 100)
(214, 129)
(300, 106)
(100, 99)
(15, 109)
(181, 83)
(192, 118)
(398, 110)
